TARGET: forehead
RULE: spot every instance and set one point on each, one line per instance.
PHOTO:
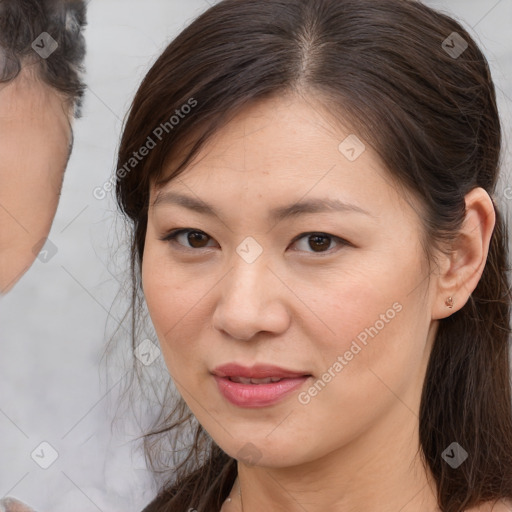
(28, 95)
(279, 125)
(32, 112)
(285, 143)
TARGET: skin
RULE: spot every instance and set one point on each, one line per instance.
(13, 505)
(300, 305)
(35, 142)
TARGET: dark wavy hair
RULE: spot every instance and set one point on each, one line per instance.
(23, 21)
(391, 70)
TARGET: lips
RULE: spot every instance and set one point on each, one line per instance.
(257, 386)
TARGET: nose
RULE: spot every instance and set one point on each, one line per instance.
(252, 300)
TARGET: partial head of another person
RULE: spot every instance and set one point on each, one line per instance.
(42, 48)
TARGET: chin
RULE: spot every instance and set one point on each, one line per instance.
(261, 452)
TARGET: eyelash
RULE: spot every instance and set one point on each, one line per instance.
(172, 235)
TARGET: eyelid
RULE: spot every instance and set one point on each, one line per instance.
(171, 236)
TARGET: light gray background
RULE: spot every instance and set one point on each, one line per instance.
(53, 325)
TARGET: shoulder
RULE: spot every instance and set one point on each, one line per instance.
(13, 505)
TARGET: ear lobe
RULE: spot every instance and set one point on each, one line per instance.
(468, 256)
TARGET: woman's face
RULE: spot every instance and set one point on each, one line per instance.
(338, 296)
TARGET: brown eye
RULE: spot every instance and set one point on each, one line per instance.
(319, 242)
(195, 238)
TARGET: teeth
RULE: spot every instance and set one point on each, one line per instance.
(241, 380)
(244, 380)
(268, 380)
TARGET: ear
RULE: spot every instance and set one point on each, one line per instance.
(461, 269)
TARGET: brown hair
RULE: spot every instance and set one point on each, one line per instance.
(388, 68)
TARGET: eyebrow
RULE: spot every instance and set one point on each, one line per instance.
(276, 214)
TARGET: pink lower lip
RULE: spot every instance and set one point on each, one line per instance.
(257, 395)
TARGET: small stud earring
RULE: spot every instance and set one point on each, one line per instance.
(449, 302)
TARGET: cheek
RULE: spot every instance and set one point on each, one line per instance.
(174, 301)
(373, 319)
(373, 358)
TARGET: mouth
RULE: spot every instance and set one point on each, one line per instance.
(257, 386)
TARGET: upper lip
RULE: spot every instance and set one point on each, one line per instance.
(258, 371)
